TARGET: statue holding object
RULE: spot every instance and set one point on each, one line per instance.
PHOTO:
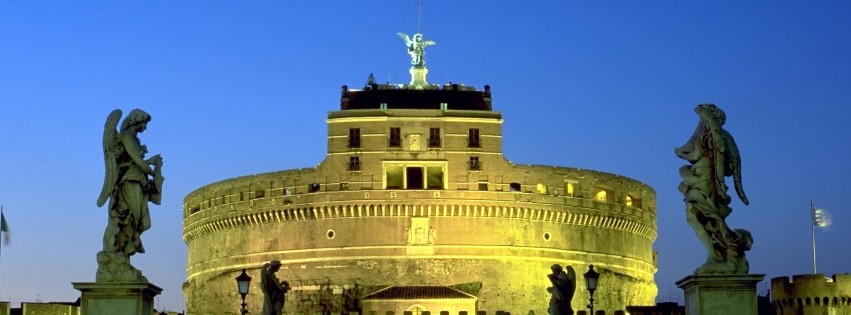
(130, 182)
(713, 156)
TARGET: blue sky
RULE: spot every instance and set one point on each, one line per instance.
(242, 88)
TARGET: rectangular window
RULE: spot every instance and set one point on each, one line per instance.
(483, 186)
(395, 137)
(354, 138)
(354, 163)
(473, 138)
(474, 163)
(422, 175)
(434, 178)
(434, 138)
(414, 176)
(393, 176)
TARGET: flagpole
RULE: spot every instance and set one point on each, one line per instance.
(813, 226)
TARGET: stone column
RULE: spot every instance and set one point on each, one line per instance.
(720, 294)
(117, 298)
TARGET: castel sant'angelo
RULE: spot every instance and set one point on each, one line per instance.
(415, 208)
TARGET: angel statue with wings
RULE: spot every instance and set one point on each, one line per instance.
(131, 181)
(713, 156)
(416, 48)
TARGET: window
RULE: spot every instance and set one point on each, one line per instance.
(514, 187)
(416, 309)
(631, 201)
(434, 138)
(542, 189)
(354, 163)
(422, 175)
(354, 138)
(601, 195)
(395, 137)
(344, 186)
(393, 176)
(568, 188)
(474, 163)
(483, 186)
(434, 177)
(314, 187)
(473, 139)
(414, 177)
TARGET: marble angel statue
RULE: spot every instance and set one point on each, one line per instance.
(713, 156)
(130, 182)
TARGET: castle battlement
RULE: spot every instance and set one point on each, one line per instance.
(793, 296)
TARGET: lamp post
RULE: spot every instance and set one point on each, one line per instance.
(242, 285)
(591, 284)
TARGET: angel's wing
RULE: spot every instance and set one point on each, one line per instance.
(429, 43)
(109, 155)
(734, 166)
(571, 280)
(406, 38)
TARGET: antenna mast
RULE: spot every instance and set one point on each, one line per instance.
(418, 17)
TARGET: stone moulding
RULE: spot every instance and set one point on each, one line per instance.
(266, 216)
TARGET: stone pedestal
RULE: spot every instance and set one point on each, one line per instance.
(720, 294)
(117, 298)
(418, 76)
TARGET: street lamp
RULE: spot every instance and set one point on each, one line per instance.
(591, 284)
(242, 285)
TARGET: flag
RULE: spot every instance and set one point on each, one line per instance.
(821, 218)
(4, 228)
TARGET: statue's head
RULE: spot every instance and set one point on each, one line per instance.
(274, 265)
(418, 37)
(135, 118)
(711, 112)
(556, 268)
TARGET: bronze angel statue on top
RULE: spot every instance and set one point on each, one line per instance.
(416, 48)
(131, 181)
(713, 156)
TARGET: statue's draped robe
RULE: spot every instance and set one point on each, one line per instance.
(273, 292)
(562, 295)
(128, 207)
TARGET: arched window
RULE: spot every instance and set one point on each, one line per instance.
(416, 309)
(600, 195)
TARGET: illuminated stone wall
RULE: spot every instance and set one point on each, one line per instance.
(811, 294)
(492, 231)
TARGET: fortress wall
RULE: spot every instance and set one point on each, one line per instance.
(497, 244)
(812, 294)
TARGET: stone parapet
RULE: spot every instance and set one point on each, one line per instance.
(812, 294)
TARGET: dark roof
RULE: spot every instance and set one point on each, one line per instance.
(456, 98)
(418, 293)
